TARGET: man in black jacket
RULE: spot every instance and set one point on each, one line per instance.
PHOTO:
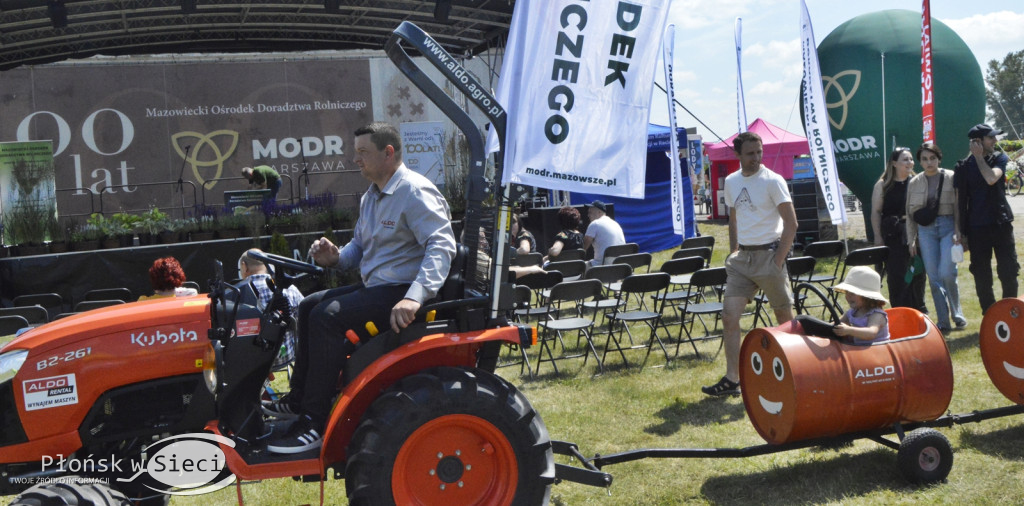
(985, 216)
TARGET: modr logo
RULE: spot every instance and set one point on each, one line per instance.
(855, 144)
(291, 147)
(877, 371)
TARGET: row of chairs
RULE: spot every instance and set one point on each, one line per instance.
(621, 296)
(30, 310)
(697, 298)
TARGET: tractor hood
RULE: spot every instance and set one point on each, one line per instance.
(121, 318)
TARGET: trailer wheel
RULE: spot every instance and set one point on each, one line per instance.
(925, 456)
(72, 491)
(453, 436)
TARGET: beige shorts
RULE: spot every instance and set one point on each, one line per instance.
(749, 270)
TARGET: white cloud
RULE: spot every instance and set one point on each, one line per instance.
(990, 36)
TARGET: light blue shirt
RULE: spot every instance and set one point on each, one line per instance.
(403, 235)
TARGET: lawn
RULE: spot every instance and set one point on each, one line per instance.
(660, 406)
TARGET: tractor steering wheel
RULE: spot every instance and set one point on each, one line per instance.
(810, 300)
(286, 262)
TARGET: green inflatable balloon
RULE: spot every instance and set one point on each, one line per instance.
(874, 60)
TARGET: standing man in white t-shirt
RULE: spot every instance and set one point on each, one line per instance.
(762, 225)
(602, 232)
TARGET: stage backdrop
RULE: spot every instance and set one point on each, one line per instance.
(120, 125)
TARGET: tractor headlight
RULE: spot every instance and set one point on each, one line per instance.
(10, 362)
(210, 356)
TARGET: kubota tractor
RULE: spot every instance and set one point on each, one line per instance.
(420, 417)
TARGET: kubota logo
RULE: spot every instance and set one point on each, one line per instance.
(206, 153)
(835, 88)
(179, 336)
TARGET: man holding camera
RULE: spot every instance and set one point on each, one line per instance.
(985, 216)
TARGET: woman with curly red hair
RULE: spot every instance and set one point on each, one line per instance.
(167, 276)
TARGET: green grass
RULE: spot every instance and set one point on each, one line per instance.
(661, 406)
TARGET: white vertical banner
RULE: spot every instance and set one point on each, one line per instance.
(676, 188)
(741, 102)
(423, 148)
(819, 135)
(572, 69)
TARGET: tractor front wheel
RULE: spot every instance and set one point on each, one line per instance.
(450, 436)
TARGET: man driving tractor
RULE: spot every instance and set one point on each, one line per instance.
(403, 245)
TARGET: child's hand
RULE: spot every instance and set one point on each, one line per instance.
(841, 329)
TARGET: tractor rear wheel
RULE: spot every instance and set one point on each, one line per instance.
(450, 436)
(71, 492)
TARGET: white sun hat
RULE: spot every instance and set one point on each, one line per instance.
(863, 281)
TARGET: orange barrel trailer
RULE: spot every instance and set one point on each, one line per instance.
(1001, 340)
(814, 391)
(797, 386)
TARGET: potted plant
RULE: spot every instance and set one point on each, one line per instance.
(150, 224)
(86, 237)
(231, 225)
(26, 226)
(285, 221)
(59, 236)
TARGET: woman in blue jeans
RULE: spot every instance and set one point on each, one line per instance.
(934, 241)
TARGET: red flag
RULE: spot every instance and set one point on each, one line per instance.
(927, 83)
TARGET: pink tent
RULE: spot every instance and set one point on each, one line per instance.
(780, 148)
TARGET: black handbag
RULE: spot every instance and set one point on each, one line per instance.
(927, 214)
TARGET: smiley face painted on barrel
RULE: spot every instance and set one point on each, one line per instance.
(767, 386)
(1002, 347)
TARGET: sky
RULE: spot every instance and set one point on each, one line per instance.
(705, 58)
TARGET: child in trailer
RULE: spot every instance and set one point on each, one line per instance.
(865, 322)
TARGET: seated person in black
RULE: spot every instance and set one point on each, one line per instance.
(522, 240)
(569, 237)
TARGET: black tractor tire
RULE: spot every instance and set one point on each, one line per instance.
(420, 440)
(71, 492)
(925, 456)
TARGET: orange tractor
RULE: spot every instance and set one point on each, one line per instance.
(420, 417)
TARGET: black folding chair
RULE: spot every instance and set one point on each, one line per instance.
(679, 270)
(699, 305)
(571, 269)
(635, 260)
(537, 282)
(121, 294)
(611, 277)
(571, 254)
(700, 251)
(824, 250)
(191, 284)
(612, 252)
(641, 286)
(52, 302)
(35, 315)
(89, 305)
(565, 298)
(522, 296)
(528, 259)
(701, 241)
(11, 324)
